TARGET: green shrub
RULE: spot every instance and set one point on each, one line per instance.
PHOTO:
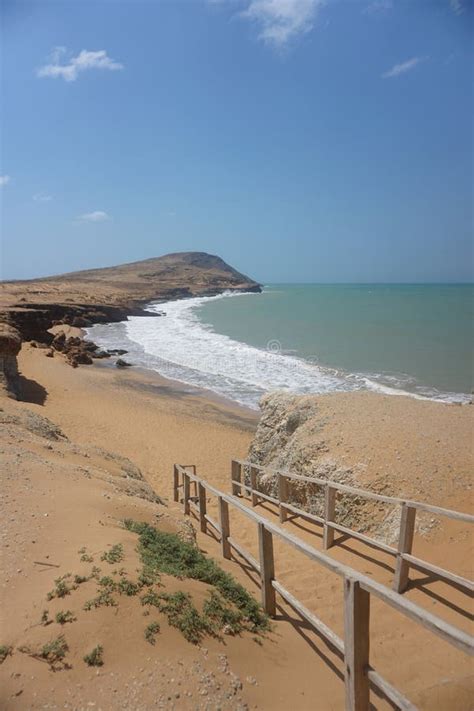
(55, 651)
(166, 552)
(61, 588)
(151, 631)
(95, 658)
(182, 614)
(114, 555)
(221, 615)
(64, 616)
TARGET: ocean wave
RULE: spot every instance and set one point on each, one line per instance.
(181, 347)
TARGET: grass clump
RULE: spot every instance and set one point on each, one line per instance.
(5, 651)
(85, 556)
(151, 598)
(222, 616)
(182, 614)
(103, 599)
(45, 618)
(151, 631)
(95, 658)
(79, 579)
(167, 553)
(61, 587)
(64, 616)
(54, 652)
(127, 587)
(114, 555)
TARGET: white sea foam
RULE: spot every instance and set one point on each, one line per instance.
(181, 347)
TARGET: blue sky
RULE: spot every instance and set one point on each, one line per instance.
(300, 140)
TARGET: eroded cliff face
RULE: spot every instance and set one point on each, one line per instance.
(10, 344)
(292, 436)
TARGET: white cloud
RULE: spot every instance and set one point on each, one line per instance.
(71, 69)
(407, 66)
(4, 179)
(457, 6)
(96, 216)
(42, 197)
(378, 6)
(282, 20)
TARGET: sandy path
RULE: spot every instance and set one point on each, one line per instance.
(141, 417)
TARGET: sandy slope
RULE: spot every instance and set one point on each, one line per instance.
(155, 424)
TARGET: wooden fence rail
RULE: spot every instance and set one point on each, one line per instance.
(354, 649)
(331, 489)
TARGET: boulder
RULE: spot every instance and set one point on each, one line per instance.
(121, 363)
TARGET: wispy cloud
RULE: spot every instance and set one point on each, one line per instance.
(84, 61)
(96, 216)
(377, 7)
(457, 6)
(281, 21)
(42, 197)
(404, 67)
(4, 179)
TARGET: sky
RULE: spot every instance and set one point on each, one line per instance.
(300, 140)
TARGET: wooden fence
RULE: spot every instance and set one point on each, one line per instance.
(354, 648)
(331, 489)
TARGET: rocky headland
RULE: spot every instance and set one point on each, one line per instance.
(29, 309)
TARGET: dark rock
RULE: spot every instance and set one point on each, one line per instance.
(49, 353)
(100, 354)
(33, 344)
(59, 341)
(80, 322)
(120, 363)
(116, 351)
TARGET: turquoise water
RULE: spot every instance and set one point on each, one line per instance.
(308, 338)
(407, 336)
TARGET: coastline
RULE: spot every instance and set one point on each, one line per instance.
(186, 347)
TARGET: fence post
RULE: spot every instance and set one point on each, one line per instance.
(283, 496)
(236, 477)
(225, 527)
(186, 482)
(356, 645)
(253, 484)
(202, 507)
(405, 544)
(175, 483)
(329, 510)
(267, 569)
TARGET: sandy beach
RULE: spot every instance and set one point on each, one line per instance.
(155, 423)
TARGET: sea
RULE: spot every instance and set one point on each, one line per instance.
(310, 338)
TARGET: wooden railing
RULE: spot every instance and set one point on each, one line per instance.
(354, 648)
(331, 489)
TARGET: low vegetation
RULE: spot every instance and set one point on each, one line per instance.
(114, 555)
(95, 658)
(54, 652)
(64, 616)
(231, 607)
(151, 631)
(61, 587)
(85, 556)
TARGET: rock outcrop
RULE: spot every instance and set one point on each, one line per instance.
(10, 344)
(112, 294)
(290, 437)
